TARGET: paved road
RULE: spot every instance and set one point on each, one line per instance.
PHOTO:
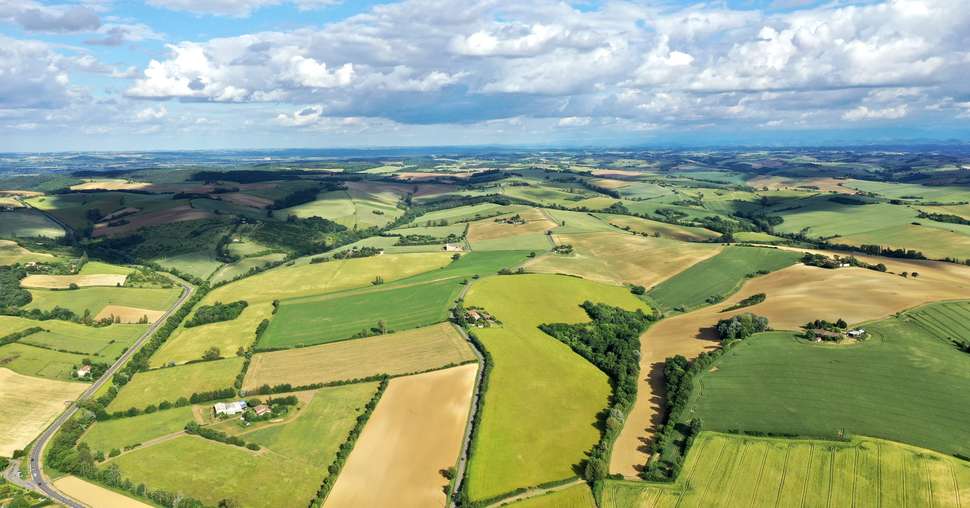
(467, 441)
(37, 480)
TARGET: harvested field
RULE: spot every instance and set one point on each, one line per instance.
(124, 314)
(795, 295)
(397, 353)
(11, 253)
(820, 184)
(729, 470)
(613, 173)
(65, 281)
(110, 185)
(135, 222)
(618, 258)
(651, 227)
(413, 434)
(489, 229)
(95, 495)
(30, 404)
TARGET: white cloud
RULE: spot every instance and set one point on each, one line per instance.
(149, 114)
(574, 121)
(864, 113)
(234, 8)
(32, 75)
(36, 17)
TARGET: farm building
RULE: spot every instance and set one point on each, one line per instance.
(858, 332)
(84, 371)
(229, 408)
(453, 247)
(261, 409)
(825, 334)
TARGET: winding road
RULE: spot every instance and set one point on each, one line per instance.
(37, 480)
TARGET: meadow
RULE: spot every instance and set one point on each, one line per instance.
(30, 405)
(12, 253)
(576, 496)
(404, 450)
(97, 267)
(936, 240)
(188, 344)
(319, 320)
(94, 299)
(397, 353)
(465, 213)
(659, 229)
(123, 432)
(154, 386)
(720, 275)
(542, 399)
(487, 234)
(728, 470)
(907, 385)
(24, 223)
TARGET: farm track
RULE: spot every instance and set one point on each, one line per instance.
(466, 441)
(38, 480)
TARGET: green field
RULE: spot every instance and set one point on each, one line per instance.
(537, 242)
(210, 472)
(243, 266)
(154, 386)
(577, 222)
(321, 427)
(40, 362)
(727, 470)
(317, 320)
(11, 253)
(662, 229)
(465, 213)
(97, 267)
(199, 264)
(440, 232)
(720, 275)
(188, 344)
(352, 208)
(121, 432)
(911, 191)
(24, 223)
(907, 383)
(935, 240)
(96, 298)
(820, 217)
(576, 496)
(542, 398)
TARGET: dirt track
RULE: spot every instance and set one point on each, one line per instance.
(414, 433)
(795, 295)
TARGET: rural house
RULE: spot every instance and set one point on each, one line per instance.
(261, 409)
(229, 408)
(84, 371)
(858, 332)
(453, 247)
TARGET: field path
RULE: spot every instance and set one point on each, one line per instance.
(38, 480)
(466, 441)
(149, 443)
(535, 492)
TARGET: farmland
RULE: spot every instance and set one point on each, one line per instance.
(189, 344)
(27, 223)
(726, 470)
(90, 494)
(577, 496)
(538, 376)
(123, 432)
(64, 281)
(154, 386)
(11, 253)
(775, 383)
(31, 405)
(321, 320)
(406, 450)
(94, 299)
(397, 353)
(660, 229)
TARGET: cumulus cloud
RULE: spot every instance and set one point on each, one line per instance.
(32, 75)
(116, 34)
(864, 113)
(37, 17)
(234, 8)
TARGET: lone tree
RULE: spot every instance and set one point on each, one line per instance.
(211, 354)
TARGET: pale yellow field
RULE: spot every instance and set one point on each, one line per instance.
(682, 233)
(64, 281)
(312, 279)
(619, 258)
(795, 295)
(488, 229)
(95, 495)
(413, 434)
(11, 253)
(29, 405)
(110, 185)
(191, 343)
(781, 182)
(398, 353)
(129, 314)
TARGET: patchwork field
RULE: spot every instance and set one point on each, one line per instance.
(397, 353)
(664, 230)
(311, 321)
(622, 258)
(486, 234)
(64, 281)
(95, 495)
(795, 295)
(170, 384)
(403, 449)
(718, 276)
(188, 344)
(94, 299)
(542, 399)
(726, 470)
(31, 404)
(138, 221)
(908, 385)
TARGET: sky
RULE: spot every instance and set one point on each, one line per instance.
(244, 74)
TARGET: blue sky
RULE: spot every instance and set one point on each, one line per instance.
(197, 74)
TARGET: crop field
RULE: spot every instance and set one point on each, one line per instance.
(11, 253)
(542, 399)
(434, 231)
(569, 222)
(211, 471)
(936, 240)
(314, 436)
(94, 299)
(91, 494)
(720, 275)
(774, 383)
(106, 342)
(319, 320)
(664, 230)
(545, 194)
(243, 266)
(200, 264)
(40, 362)
(946, 321)
(486, 234)
(465, 213)
(97, 267)
(620, 258)
(313, 279)
(576, 496)
(122, 432)
(188, 344)
(64, 281)
(154, 386)
(354, 207)
(397, 353)
(169, 215)
(405, 450)
(819, 216)
(123, 314)
(727, 470)
(914, 192)
(31, 404)
(24, 223)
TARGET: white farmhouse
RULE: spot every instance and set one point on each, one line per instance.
(229, 408)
